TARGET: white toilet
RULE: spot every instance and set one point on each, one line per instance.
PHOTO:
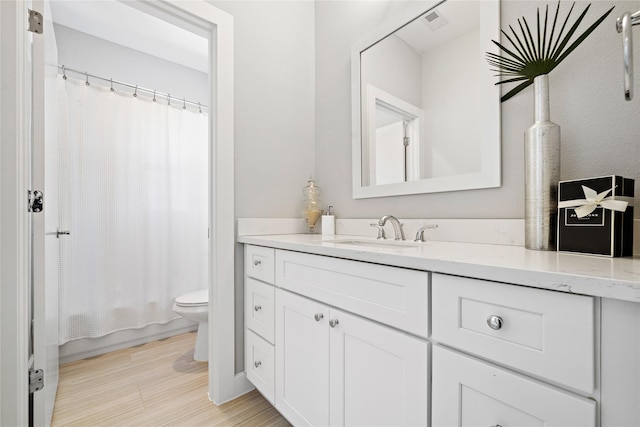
(195, 306)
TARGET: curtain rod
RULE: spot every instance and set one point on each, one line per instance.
(135, 87)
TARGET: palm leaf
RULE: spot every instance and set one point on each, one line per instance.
(583, 36)
(516, 90)
(526, 39)
(528, 57)
(522, 55)
(553, 29)
(558, 51)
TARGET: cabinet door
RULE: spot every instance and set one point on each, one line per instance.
(379, 376)
(302, 359)
(468, 392)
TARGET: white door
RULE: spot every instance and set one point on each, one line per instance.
(379, 376)
(467, 392)
(302, 360)
(45, 242)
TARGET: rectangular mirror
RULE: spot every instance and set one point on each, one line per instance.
(425, 107)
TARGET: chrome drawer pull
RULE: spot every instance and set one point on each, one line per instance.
(333, 323)
(494, 322)
(257, 363)
(257, 307)
(318, 317)
(257, 262)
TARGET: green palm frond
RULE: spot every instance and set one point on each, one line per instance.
(528, 57)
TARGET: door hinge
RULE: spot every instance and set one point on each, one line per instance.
(36, 380)
(35, 201)
(35, 22)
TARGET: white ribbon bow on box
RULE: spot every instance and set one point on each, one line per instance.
(592, 200)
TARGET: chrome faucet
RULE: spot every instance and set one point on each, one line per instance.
(397, 227)
(381, 235)
(420, 233)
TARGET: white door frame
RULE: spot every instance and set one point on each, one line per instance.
(218, 26)
(14, 227)
(14, 233)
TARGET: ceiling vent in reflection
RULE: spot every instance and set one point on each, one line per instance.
(434, 20)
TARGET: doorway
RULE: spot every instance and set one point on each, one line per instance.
(218, 27)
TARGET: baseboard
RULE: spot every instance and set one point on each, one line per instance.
(241, 386)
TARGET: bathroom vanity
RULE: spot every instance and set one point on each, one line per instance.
(353, 331)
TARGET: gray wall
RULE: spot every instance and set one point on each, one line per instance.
(600, 131)
(274, 111)
(103, 58)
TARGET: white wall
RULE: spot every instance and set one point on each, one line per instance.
(451, 99)
(600, 131)
(393, 66)
(103, 58)
(274, 122)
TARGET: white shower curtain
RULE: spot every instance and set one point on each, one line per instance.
(134, 196)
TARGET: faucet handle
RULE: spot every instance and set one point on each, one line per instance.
(420, 233)
(381, 234)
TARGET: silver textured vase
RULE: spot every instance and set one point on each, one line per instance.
(542, 172)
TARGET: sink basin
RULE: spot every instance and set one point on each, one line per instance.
(378, 244)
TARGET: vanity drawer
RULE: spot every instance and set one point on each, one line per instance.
(545, 333)
(259, 308)
(259, 262)
(260, 364)
(393, 296)
(469, 392)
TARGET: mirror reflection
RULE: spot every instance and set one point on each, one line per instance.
(423, 101)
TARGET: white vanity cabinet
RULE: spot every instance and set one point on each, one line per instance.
(354, 341)
(335, 368)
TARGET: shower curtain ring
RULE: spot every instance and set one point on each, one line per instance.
(64, 73)
(168, 99)
(154, 96)
(135, 92)
(86, 82)
(111, 89)
(184, 104)
(199, 108)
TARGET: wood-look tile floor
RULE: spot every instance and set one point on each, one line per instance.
(155, 384)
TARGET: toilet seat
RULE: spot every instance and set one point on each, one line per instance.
(193, 299)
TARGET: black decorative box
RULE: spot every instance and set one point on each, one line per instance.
(595, 216)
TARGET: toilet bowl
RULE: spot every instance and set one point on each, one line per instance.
(195, 306)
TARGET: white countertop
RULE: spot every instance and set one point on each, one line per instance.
(617, 278)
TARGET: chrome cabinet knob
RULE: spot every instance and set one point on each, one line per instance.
(494, 322)
(318, 316)
(333, 323)
(257, 262)
(257, 307)
(257, 363)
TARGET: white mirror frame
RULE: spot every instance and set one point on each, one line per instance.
(490, 173)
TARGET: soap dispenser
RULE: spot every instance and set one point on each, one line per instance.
(329, 222)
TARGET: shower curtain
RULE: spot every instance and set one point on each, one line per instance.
(134, 196)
